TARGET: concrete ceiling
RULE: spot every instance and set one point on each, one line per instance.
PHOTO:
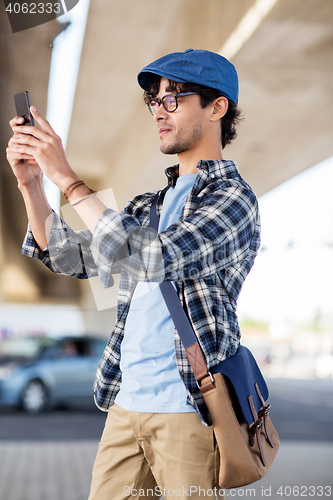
(24, 65)
(286, 74)
(285, 70)
(112, 138)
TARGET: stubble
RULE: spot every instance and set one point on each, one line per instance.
(183, 141)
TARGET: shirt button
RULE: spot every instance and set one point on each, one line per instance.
(213, 176)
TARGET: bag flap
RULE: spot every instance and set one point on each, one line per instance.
(243, 372)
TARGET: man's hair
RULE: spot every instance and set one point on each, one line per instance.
(207, 95)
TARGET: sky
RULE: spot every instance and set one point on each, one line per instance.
(292, 278)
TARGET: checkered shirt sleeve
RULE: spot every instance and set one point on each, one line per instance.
(67, 251)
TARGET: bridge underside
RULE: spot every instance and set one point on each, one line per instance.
(285, 70)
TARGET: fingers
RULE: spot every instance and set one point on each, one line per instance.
(20, 156)
(45, 147)
(42, 147)
(18, 127)
(23, 139)
(16, 159)
(19, 150)
(18, 153)
(46, 127)
(30, 131)
(18, 120)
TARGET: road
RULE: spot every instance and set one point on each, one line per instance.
(301, 410)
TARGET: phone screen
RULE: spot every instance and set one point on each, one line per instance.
(22, 103)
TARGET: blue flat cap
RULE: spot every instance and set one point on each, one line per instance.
(194, 66)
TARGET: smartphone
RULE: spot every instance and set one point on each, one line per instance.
(22, 103)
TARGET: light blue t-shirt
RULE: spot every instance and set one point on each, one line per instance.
(150, 378)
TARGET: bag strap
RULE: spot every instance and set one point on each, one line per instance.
(196, 358)
(184, 328)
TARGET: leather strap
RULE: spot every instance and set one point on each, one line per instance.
(255, 431)
(263, 412)
(197, 362)
(259, 419)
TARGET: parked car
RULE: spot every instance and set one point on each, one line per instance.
(41, 372)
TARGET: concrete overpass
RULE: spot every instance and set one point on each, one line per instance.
(286, 73)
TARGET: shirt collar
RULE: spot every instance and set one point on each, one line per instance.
(210, 171)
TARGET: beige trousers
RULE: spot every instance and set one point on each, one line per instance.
(155, 455)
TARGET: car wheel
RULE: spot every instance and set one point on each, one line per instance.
(34, 397)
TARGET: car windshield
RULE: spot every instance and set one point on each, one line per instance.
(24, 347)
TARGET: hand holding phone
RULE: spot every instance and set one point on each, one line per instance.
(40, 148)
(18, 160)
(22, 103)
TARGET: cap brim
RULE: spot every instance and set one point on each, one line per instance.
(145, 78)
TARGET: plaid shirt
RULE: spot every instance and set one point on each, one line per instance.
(207, 253)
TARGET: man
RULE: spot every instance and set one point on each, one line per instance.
(154, 441)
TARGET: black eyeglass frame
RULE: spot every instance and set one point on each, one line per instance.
(161, 101)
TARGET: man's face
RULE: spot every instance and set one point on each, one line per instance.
(183, 129)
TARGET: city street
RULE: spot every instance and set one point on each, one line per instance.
(50, 456)
(301, 410)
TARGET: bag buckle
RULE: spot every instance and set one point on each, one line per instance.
(208, 385)
(255, 431)
(256, 427)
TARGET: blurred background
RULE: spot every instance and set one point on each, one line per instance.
(80, 70)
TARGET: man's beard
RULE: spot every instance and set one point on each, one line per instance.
(183, 142)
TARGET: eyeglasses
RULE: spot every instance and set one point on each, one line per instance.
(169, 102)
